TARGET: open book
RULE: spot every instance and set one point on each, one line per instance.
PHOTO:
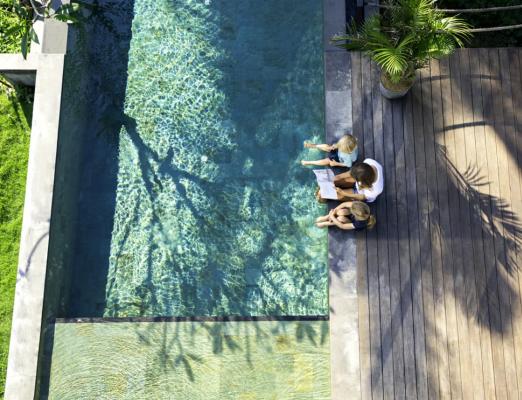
(325, 179)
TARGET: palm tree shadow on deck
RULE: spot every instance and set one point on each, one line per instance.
(496, 305)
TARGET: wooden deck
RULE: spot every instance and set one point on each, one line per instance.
(438, 279)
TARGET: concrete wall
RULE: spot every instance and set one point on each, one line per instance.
(46, 61)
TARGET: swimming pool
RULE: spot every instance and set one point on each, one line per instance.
(179, 193)
(179, 189)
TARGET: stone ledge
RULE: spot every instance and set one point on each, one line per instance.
(32, 262)
(343, 301)
(334, 22)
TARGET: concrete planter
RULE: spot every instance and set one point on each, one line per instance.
(393, 94)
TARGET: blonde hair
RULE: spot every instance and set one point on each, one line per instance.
(347, 143)
(361, 211)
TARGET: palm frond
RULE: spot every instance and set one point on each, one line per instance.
(405, 36)
(394, 59)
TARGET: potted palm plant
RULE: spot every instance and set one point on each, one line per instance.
(403, 38)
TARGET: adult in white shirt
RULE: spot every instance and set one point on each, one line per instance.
(365, 182)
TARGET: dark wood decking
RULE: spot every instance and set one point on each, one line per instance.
(439, 283)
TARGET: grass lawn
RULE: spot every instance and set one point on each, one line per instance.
(14, 149)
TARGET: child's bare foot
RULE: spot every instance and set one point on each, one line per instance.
(304, 163)
(308, 145)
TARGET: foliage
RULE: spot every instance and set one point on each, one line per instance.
(8, 44)
(490, 19)
(14, 145)
(405, 36)
(18, 16)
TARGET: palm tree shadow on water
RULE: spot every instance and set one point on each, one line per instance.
(217, 222)
(182, 349)
(154, 170)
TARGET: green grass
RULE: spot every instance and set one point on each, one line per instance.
(14, 146)
(8, 43)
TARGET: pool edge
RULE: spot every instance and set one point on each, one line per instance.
(342, 281)
(47, 61)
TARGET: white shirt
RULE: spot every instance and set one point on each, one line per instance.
(378, 186)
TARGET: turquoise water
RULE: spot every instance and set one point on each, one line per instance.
(263, 360)
(188, 197)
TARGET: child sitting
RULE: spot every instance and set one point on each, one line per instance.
(349, 215)
(341, 154)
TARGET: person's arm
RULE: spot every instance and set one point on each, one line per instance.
(346, 204)
(347, 227)
(334, 163)
(354, 196)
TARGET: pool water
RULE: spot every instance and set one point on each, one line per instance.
(187, 360)
(179, 192)
(187, 197)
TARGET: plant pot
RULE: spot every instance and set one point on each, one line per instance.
(394, 91)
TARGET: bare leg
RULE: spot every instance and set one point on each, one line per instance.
(323, 147)
(324, 224)
(321, 163)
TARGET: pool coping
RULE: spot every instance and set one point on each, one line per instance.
(46, 62)
(224, 318)
(342, 257)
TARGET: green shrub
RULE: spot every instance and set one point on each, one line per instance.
(10, 37)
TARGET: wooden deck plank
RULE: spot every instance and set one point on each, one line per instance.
(511, 221)
(431, 109)
(514, 116)
(515, 72)
(483, 241)
(458, 206)
(445, 227)
(504, 266)
(491, 191)
(382, 246)
(375, 373)
(420, 92)
(414, 247)
(474, 371)
(362, 256)
(406, 301)
(450, 230)
(395, 334)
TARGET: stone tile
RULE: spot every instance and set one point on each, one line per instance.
(334, 21)
(338, 107)
(344, 338)
(337, 71)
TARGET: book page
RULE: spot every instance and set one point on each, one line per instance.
(325, 179)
